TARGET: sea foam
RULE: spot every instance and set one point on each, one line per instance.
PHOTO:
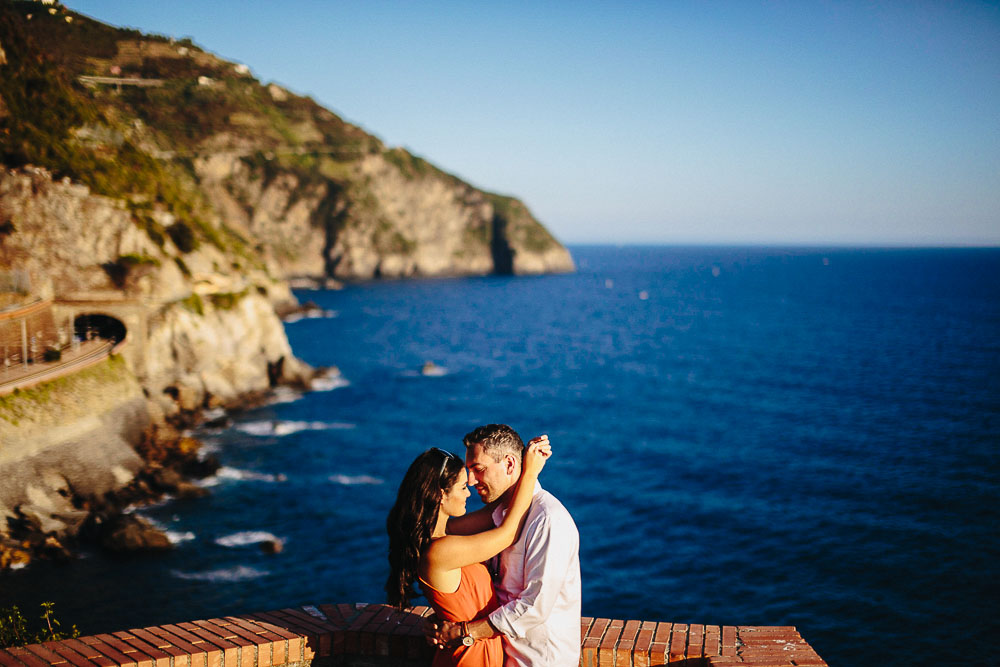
(278, 427)
(353, 480)
(225, 575)
(246, 538)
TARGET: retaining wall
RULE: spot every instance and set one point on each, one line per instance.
(359, 635)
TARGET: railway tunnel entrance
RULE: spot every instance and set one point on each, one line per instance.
(94, 325)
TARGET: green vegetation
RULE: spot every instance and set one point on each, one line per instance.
(414, 167)
(15, 631)
(193, 303)
(227, 300)
(390, 241)
(141, 144)
(521, 227)
(154, 230)
(22, 404)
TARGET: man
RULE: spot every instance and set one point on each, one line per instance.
(537, 579)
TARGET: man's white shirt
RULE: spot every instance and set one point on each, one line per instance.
(538, 586)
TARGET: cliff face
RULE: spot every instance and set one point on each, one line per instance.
(203, 327)
(73, 436)
(253, 169)
(386, 214)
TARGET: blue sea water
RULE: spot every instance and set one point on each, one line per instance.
(750, 436)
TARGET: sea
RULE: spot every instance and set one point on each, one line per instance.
(743, 435)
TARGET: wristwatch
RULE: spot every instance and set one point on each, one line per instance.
(467, 639)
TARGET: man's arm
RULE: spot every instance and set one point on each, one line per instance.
(549, 547)
(445, 633)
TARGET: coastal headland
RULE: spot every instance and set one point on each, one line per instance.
(157, 203)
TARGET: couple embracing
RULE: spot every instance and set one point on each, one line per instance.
(504, 580)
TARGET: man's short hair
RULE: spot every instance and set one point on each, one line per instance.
(497, 440)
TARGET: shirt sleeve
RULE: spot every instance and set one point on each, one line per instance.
(549, 548)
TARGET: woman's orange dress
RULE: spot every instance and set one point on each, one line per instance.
(473, 600)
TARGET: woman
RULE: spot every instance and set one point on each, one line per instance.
(449, 567)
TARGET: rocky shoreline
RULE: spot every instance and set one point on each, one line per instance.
(173, 462)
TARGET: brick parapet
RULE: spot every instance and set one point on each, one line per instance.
(377, 635)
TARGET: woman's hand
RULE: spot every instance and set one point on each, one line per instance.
(538, 451)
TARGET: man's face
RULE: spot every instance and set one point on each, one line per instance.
(491, 478)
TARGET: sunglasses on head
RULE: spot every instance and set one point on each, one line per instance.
(444, 463)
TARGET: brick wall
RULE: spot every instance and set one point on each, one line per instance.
(376, 635)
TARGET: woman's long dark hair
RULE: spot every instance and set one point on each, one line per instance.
(412, 518)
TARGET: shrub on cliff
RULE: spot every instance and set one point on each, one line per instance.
(15, 631)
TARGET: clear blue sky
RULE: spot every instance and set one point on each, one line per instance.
(661, 122)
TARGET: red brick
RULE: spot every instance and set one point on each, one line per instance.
(305, 623)
(254, 627)
(159, 658)
(141, 659)
(585, 624)
(728, 636)
(230, 651)
(296, 642)
(643, 644)
(696, 641)
(713, 640)
(589, 652)
(212, 654)
(113, 654)
(347, 613)
(181, 658)
(598, 628)
(607, 653)
(27, 657)
(623, 654)
(198, 652)
(8, 660)
(42, 653)
(316, 632)
(678, 641)
(359, 636)
(331, 612)
(663, 631)
(89, 652)
(272, 624)
(262, 644)
(290, 648)
(384, 630)
(69, 654)
(246, 650)
(658, 652)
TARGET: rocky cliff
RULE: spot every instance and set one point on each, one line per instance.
(251, 168)
(205, 330)
(161, 185)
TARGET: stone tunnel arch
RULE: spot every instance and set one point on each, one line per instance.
(91, 325)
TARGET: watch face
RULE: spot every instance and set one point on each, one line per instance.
(468, 641)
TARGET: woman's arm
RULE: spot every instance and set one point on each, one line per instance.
(455, 551)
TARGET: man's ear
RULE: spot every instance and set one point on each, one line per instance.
(511, 463)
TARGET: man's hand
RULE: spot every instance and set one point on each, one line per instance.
(441, 634)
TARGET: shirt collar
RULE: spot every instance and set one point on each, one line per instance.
(501, 510)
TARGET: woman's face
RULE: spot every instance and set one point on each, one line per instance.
(453, 501)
